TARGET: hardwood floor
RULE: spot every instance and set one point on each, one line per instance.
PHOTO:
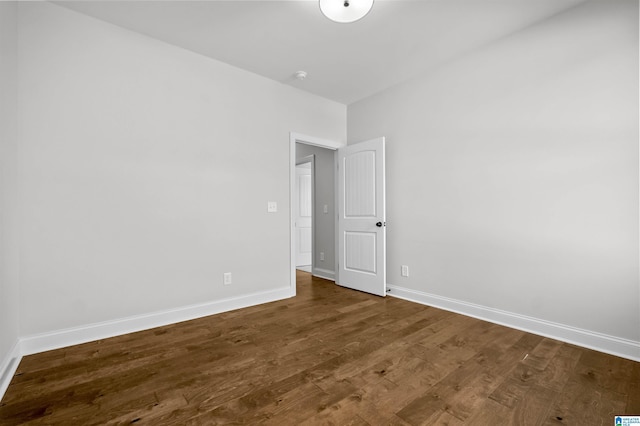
(327, 356)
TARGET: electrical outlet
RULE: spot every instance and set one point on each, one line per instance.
(226, 278)
(272, 206)
(405, 271)
(322, 256)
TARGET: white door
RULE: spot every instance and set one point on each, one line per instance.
(361, 217)
(302, 212)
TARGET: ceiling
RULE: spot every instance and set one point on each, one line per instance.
(397, 40)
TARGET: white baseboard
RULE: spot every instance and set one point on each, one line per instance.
(324, 273)
(8, 367)
(77, 335)
(589, 339)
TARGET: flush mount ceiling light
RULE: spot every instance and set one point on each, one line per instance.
(345, 11)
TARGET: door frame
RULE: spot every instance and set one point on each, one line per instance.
(307, 140)
(311, 160)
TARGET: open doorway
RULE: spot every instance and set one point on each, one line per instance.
(361, 230)
(323, 228)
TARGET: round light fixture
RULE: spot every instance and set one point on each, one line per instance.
(345, 11)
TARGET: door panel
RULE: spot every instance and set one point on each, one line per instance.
(360, 251)
(361, 217)
(360, 184)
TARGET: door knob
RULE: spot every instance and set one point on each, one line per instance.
(379, 224)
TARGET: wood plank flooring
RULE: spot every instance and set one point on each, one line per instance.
(328, 356)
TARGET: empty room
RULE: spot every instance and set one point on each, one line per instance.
(320, 212)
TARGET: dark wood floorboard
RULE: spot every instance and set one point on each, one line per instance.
(329, 356)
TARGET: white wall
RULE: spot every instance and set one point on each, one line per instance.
(9, 315)
(324, 223)
(512, 173)
(147, 171)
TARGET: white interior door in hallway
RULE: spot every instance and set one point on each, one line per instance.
(303, 214)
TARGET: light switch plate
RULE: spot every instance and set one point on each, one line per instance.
(405, 271)
(226, 278)
(272, 206)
